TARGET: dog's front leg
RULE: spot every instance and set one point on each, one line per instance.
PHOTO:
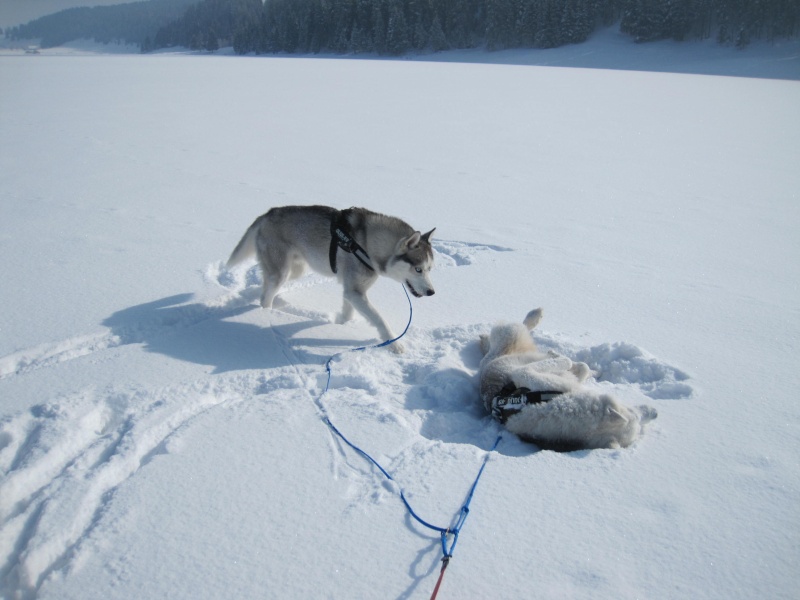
(346, 314)
(359, 301)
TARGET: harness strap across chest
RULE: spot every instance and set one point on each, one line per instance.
(342, 237)
(510, 400)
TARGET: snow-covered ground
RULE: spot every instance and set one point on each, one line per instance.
(161, 436)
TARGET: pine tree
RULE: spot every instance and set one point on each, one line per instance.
(456, 24)
(526, 24)
(378, 29)
(211, 42)
(397, 39)
(418, 23)
(437, 37)
(548, 21)
(678, 19)
(499, 24)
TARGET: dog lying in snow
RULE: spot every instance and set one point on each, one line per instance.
(539, 397)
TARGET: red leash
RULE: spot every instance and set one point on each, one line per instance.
(445, 562)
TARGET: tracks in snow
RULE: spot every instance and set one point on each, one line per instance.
(62, 461)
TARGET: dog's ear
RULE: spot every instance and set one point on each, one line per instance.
(409, 243)
(427, 236)
(615, 415)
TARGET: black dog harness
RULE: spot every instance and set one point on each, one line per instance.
(342, 237)
(511, 399)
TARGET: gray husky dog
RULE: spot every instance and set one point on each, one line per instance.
(539, 396)
(355, 245)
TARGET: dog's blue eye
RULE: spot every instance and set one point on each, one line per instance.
(418, 270)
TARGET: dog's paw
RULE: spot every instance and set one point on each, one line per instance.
(397, 348)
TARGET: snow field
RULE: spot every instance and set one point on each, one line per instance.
(161, 436)
(65, 459)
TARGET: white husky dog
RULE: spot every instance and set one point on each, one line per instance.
(355, 245)
(539, 397)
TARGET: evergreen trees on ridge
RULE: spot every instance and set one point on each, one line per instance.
(396, 27)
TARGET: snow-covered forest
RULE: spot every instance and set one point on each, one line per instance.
(129, 23)
(397, 27)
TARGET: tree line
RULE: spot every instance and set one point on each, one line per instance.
(128, 23)
(208, 25)
(729, 21)
(396, 27)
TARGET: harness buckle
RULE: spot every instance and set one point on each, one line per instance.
(511, 399)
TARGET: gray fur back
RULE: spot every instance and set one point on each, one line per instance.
(298, 227)
(306, 231)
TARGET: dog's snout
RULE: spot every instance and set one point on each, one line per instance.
(431, 292)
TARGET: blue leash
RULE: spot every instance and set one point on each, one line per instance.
(444, 532)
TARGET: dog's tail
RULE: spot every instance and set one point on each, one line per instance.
(532, 318)
(246, 248)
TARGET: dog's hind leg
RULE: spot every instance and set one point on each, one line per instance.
(272, 284)
(275, 270)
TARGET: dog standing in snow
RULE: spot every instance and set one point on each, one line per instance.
(540, 397)
(355, 245)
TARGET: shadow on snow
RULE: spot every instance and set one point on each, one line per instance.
(207, 335)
